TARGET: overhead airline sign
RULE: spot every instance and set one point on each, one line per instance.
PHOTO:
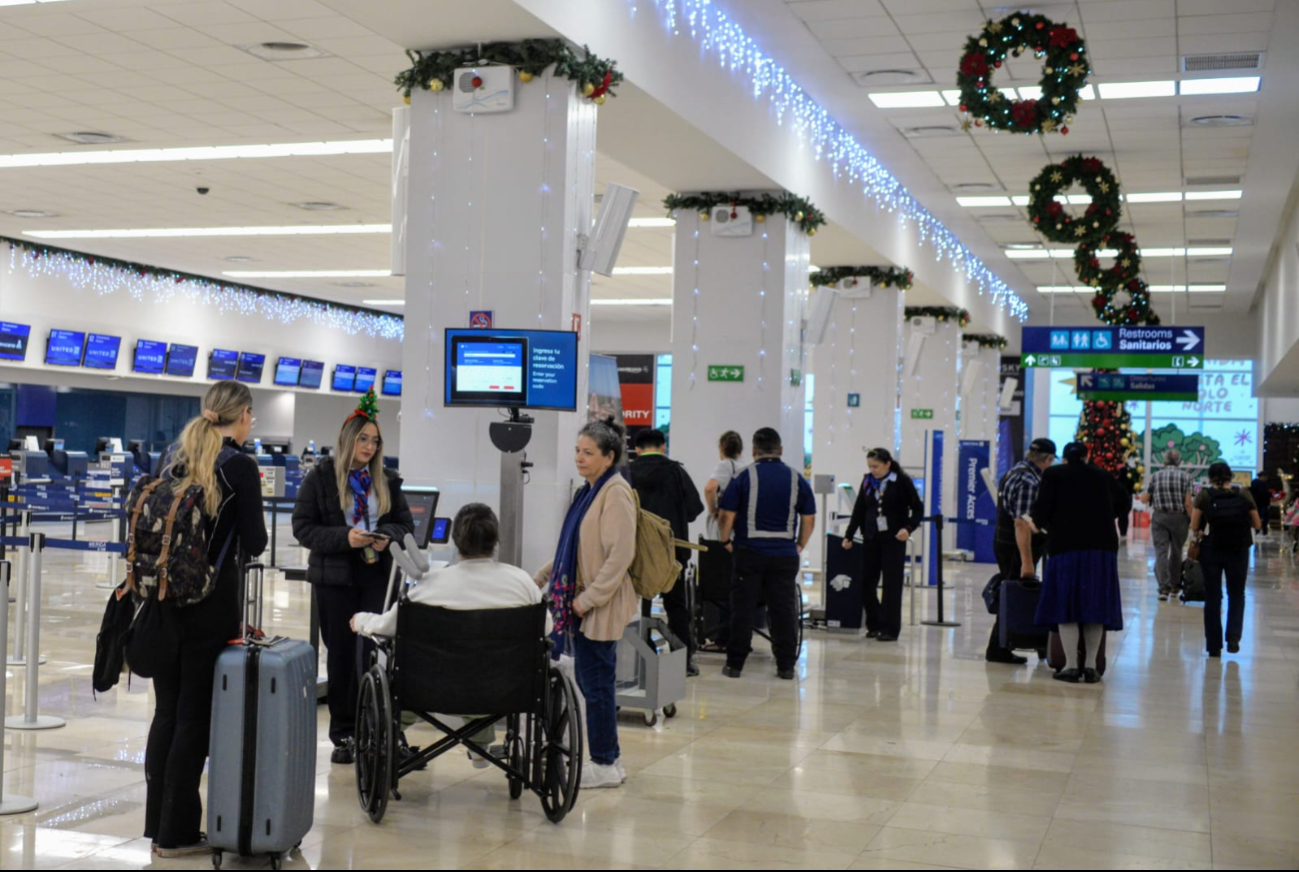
(1113, 347)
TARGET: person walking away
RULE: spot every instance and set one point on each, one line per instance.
(887, 512)
(1017, 548)
(1229, 514)
(1262, 494)
(592, 598)
(182, 684)
(1077, 505)
(1169, 497)
(349, 509)
(666, 489)
(770, 510)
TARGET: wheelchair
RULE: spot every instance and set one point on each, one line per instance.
(486, 665)
(709, 597)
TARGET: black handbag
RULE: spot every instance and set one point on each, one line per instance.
(992, 594)
(154, 639)
(110, 644)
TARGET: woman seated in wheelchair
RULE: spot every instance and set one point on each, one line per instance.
(477, 581)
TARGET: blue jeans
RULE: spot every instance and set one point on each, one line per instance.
(595, 664)
(1235, 563)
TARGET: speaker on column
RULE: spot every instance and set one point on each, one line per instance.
(601, 250)
(818, 315)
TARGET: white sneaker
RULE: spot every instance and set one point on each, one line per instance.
(479, 762)
(595, 775)
(622, 773)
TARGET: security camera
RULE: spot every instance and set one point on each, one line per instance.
(202, 190)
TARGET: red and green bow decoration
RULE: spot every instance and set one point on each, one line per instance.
(594, 76)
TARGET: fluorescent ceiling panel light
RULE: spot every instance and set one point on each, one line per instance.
(1162, 252)
(1020, 200)
(906, 99)
(1087, 93)
(1226, 85)
(1162, 197)
(384, 302)
(1078, 199)
(310, 274)
(642, 270)
(1214, 195)
(1026, 92)
(182, 232)
(983, 201)
(1064, 289)
(652, 222)
(210, 152)
(1044, 253)
(1194, 289)
(1208, 252)
(1128, 90)
(953, 97)
(635, 301)
(1028, 254)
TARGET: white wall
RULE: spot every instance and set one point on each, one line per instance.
(1278, 313)
(640, 336)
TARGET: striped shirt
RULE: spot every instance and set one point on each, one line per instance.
(1168, 489)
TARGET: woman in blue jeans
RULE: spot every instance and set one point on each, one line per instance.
(1231, 515)
(592, 598)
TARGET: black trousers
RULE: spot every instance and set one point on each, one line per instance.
(776, 579)
(883, 556)
(348, 654)
(178, 741)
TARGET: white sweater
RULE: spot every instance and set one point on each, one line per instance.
(469, 585)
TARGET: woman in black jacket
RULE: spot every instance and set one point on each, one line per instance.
(887, 511)
(349, 509)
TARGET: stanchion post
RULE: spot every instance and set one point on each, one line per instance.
(18, 658)
(9, 803)
(938, 572)
(118, 535)
(76, 504)
(31, 718)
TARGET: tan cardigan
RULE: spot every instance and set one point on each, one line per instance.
(607, 542)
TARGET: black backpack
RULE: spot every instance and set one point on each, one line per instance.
(1229, 521)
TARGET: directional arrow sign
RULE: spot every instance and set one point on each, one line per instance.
(1085, 382)
(1113, 340)
(1189, 340)
(1121, 387)
(1093, 360)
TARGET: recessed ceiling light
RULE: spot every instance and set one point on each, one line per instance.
(642, 270)
(634, 301)
(952, 96)
(355, 284)
(238, 258)
(319, 206)
(91, 137)
(906, 99)
(310, 274)
(1214, 195)
(1020, 245)
(205, 152)
(1223, 85)
(930, 130)
(983, 201)
(31, 213)
(282, 51)
(180, 232)
(1222, 120)
(384, 302)
(652, 222)
(1128, 90)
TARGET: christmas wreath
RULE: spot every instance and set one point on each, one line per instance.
(942, 313)
(797, 209)
(1136, 311)
(1062, 80)
(880, 276)
(986, 340)
(1127, 262)
(434, 70)
(1048, 214)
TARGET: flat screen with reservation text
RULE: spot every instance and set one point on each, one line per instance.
(535, 369)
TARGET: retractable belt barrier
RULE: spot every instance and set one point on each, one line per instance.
(31, 719)
(9, 803)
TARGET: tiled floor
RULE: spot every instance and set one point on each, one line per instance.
(911, 755)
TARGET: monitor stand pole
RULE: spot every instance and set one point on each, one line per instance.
(511, 438)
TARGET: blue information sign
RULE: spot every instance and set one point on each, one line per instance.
(1120, 386)
(1113, 340)
(13, 340)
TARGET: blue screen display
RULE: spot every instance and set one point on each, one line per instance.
(101, 351)
(181, 360)
(287, 371)
(344, 377)
(13, 340)
(223, 364)
(65, 348)
(312, 373)
(365, 377)
(392, 383)
(250, 367)
(150, 357)
(549, 360)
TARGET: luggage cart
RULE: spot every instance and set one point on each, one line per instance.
(651, 675)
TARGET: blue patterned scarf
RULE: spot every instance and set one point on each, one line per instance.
(360, 483)
(563, 571)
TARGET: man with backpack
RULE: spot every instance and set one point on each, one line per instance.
(1230, 515)
(666, 490)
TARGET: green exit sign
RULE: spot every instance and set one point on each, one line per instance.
(720, 373)
(922, 414)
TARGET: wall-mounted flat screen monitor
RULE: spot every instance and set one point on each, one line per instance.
(250, 367)
(181, 360)
(392, 383)
(13, 340)
(101, 351)
(312, 373)
(365, 377)
(287, 371)
(344, 377)
(222, 364)
(535, 369)
(150, 357)
(65, 348)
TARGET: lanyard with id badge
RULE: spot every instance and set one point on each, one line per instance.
(881, 522)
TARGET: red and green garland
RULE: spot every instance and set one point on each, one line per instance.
(434, 70)
(986, 340)
(1063, 78)
(799, 210)
(942, 313)
(879, 276)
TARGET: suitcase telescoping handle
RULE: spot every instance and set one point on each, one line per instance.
(254, 574)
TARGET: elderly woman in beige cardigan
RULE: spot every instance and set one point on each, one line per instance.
(592, 598)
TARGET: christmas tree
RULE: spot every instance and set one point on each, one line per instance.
(1106, 429)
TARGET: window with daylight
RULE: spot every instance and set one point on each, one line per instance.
(663, 392)
(809, 387)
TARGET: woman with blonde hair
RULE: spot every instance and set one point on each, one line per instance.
(348, 510)
(208, 455)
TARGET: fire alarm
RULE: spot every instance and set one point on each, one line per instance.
(483, 90)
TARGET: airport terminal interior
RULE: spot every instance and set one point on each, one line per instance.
(970, 333)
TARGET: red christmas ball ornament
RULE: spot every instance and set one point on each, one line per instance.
(1040, 25)
(1064, 131)
(478, 81)
(1073, 56)
(997, 64)
(965, 108)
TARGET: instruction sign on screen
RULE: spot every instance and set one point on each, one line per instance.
(535, 369)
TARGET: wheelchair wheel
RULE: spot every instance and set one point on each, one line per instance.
(514, 755)
(562, 749)
(375, 749)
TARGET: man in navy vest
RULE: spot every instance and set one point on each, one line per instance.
(772, 512)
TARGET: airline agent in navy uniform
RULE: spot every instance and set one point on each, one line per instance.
(772, 512)
(888, 511)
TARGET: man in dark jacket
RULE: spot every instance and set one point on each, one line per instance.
(666, 490)
(1262, 494)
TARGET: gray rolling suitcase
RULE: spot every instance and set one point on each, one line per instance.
(261, 788)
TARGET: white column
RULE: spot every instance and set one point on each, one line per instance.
(980, 391)
(737, 302)
(931, 361)
(495, 206)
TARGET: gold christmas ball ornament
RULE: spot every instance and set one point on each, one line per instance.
(407, 99)
(525, 76)
(759, 218)
(812, 232)
(798, 216)
(599, 101)
(588, 89)
(703, 216)
(435, 85)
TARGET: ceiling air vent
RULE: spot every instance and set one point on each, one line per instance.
(875, 78)
(1207, 243)
(930, 130)
(1214, 213)
(1236, 60)
(1212, 180)
(91, 137)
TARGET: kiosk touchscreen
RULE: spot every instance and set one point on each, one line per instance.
(529, 369)
(423, 502)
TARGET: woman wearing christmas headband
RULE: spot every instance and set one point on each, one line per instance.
(349, 508)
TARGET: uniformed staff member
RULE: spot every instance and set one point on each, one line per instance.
(772, 512)
(1016, 547)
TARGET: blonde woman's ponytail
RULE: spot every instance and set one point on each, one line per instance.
(195, 455)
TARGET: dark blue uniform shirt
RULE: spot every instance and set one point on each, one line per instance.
(770, 523)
